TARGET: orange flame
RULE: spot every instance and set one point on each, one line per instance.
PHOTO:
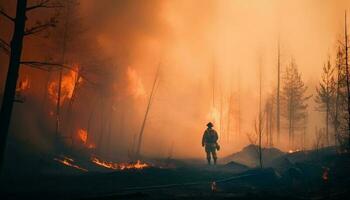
(293, 151)
(83, 137)
(119, 166)
(23, 84)
(82, 134)
(136, 87)
(68, 83)
(69, 162)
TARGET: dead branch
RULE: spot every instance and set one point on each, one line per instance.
(6, 15)
(5, 46)
(44, 4)
(48, 66)
(40, 27)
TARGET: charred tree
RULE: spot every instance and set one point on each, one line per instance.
(336, 120)
(59, 86)
(12, 73)
(347, 78)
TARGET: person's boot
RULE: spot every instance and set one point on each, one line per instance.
(214, 161)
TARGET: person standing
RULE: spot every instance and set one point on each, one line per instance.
(210, 143)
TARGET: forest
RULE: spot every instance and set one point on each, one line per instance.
(112, 99)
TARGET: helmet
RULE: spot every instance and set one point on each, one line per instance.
(209, 125)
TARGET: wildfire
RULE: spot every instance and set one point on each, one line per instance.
(23, 84)
(119, 166)
(83, 137)
(69, 162)
(82, 134)
(136, 87)
(68, 84)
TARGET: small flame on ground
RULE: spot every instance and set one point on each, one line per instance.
(69, 162)
(119, 166)
(293, 151)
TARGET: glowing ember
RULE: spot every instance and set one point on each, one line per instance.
(82, 134)
(325, 174)
(119, 166)
(293, 151)
(69, 81)
(69, 162)
(135, 88)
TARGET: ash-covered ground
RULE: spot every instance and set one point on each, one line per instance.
(321, 174)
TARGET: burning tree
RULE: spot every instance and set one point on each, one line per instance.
(294, 100)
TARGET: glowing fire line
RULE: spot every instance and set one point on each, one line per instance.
(69, 162)
(119, 166)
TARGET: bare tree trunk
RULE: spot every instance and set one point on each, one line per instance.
(290, 125)
(92, 113)
(229, 117)
(336, 121)
(239, 103)
(69, 119)
(278, 93)
(43, 104)
(221, 113)
(64, 44)
(12, 75)
(347, 77)
(260, 118)
(138, 150)
(102, 127)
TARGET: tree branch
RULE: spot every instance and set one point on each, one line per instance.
(5, 46)
(44, 65)
(6, 15)
(44, 4)
(40, 27)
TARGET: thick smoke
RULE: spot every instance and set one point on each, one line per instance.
(203, 48)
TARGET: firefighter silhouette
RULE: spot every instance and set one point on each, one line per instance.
(210, 142)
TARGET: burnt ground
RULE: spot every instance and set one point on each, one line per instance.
(300, 179)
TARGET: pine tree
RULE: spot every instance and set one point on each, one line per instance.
(340, 116)
(326, 91)
(294, 100)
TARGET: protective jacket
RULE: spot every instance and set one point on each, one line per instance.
(210, 137)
